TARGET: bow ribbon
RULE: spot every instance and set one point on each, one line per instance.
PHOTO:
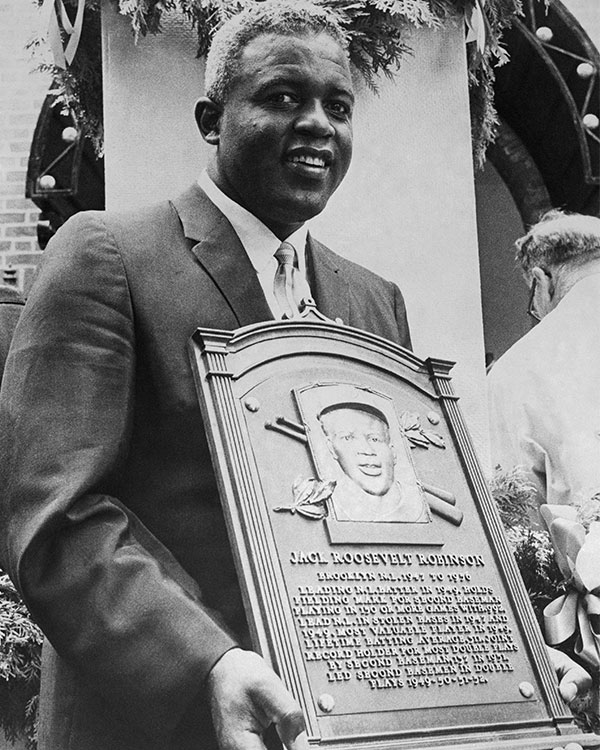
(52, 10)
(577, 554)
(476, 24)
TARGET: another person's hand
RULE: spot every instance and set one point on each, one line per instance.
(246, 698)
(572, 679)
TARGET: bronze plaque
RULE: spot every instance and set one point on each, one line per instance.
(376, 576)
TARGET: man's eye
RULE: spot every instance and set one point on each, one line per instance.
(341, 109)
(282, 97)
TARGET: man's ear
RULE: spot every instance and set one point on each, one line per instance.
(208, 118)
(545, 282)
(545, 286)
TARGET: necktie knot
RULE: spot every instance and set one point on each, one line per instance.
(289, 287)
(286, 254)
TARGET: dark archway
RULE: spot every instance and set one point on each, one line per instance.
(547, 154)
(520, 173)
(548, 94)
(64, 175)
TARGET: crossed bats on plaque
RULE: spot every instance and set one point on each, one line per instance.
(311, 497)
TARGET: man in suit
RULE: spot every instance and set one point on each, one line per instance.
(111, 521)
(11, 306)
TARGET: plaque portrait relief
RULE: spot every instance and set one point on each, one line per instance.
(356, 441)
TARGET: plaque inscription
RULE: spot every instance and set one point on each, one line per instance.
(390, 630)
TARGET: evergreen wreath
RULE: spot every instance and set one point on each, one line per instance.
(20, 657)
(516, 500)
(531, 545)
(377, 31)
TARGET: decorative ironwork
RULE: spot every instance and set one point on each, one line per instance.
(581, 91)
(63, 175)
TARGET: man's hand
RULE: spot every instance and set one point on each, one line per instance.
(247, 697)
(572, 679)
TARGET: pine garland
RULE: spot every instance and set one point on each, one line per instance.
(377, 31)
(516, 501)
(20, 658)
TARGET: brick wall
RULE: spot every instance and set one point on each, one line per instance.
(21, 95)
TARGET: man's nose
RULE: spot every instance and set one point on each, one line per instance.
(314, 119)
(365, 447)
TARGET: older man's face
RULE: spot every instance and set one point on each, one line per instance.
(360, 443)
(285, 133)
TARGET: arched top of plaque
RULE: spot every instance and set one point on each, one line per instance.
(261, 340)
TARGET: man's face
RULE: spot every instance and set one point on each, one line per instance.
(285, 132)
(360, 443)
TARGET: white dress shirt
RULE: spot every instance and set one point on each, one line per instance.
(545, 399)
(258, 241)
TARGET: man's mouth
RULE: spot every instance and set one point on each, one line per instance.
(311, 162)
(371, 470)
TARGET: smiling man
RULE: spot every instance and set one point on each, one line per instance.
(283, 130)
(112, 525)
(358, 438)
(359, 441)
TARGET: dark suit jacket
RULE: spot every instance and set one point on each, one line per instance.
(11, 306)
(111, 522)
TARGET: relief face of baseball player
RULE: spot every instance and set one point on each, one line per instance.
(358, 438)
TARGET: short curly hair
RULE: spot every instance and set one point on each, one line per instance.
(560, 238)
(284, 17)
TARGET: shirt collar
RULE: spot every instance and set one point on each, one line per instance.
(258, 240)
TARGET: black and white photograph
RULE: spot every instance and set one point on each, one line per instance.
(299, 354)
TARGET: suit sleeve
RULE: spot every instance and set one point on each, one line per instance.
(111, 599)
(9, 315)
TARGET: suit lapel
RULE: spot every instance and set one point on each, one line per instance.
(330, 289)
(219, 251)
